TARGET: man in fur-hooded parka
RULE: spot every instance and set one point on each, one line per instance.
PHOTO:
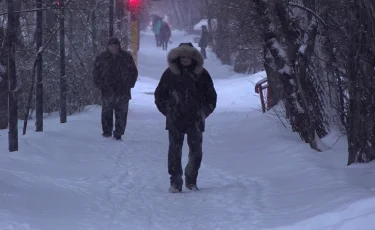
(186, 96)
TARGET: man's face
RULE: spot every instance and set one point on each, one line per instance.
(114, 48)
(186, 61)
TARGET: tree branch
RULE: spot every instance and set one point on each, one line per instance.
(75, 51)
(45, 8)
(310, 11)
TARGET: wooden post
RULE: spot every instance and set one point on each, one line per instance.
(269, 98)
(262, 98)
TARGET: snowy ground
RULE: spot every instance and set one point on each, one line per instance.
(255, 174)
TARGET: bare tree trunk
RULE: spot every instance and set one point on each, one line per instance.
(182, 12)
(39, 71)
(51, 19)
(4, 101)
(209, 15)
(71, 36)
(13, 102)
(122, 25)
(361, 64)
(301, 79)
(190, 14)
(33, 73)
(94, 32)
(4, 86)
(111, 7)
(287, 69)
(176, 13)
(17, 5)
(222, 38)
(63, 87)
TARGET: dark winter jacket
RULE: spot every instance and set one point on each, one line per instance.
(185, 96)
(165, 32)
(115, 74)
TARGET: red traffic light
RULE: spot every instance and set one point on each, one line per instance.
(134, 7)
(134, 3)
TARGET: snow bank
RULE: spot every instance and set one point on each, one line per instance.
(359, 215)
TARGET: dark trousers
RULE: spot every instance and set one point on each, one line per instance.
(120, 105)
(176, 140)
(157, 38)
(203, 52)
(165, 45)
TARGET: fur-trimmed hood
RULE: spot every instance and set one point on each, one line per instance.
(185, 51)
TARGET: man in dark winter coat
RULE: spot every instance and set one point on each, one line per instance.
(115, 73)
(186, 96)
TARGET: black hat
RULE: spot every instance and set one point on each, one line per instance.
(186, 44)
(113, 41)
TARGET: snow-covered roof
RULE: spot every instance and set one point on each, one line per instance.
(204, 22)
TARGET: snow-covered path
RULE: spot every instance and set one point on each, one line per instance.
(255, 175)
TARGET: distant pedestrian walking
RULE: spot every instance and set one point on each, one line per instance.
(203, 42)
(165, 35)
(157, 25)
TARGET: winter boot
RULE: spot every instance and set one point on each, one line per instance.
(175, 189)
(107, 135)
(176, 185)
(192, 187)
(117, 136)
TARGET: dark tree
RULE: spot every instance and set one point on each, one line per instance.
(12, 78)
(4, 86)
(361, 64)
(63, 86)
(110, 15)
(39, 68)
